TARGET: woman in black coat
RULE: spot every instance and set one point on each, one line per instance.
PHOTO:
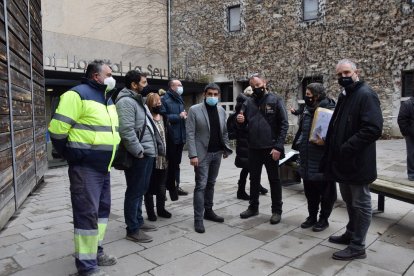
(158, 179)
(318, 189)
(242, 146)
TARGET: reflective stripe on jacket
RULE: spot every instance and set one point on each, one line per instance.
(84, 128)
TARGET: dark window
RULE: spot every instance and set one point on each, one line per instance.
(407, 83)
(310, 9)
(308, 80)
(226, 91)
(233, 20)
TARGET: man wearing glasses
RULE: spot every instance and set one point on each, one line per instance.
(350, 157)
(265, 119)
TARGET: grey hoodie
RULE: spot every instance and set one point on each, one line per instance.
(132, 112)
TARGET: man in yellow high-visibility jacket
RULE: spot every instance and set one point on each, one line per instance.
(84, 130)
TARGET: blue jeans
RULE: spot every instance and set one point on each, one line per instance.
(137, 179)
(205, 177)
(358, 205)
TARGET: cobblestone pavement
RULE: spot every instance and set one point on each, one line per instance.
(39, 238)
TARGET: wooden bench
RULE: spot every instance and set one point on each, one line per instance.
(396, 188)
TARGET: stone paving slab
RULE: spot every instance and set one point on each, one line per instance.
(196, 263)
(39, 238)
(357, 268)
(257, 262)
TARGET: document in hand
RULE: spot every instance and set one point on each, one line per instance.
(320, 124)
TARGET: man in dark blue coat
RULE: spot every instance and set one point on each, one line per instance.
(406, 124)
(174, 110)
(350, 157)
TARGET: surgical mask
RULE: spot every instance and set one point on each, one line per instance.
(180, 90)
(258, 92)
(345, 81)
(309, 101)
(156, 109)
(110, 83)
(211, 101)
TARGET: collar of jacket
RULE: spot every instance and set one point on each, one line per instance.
(94, 84)
(174, 95)
(135, 95)
(353, 87)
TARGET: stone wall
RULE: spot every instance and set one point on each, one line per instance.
(274, 40)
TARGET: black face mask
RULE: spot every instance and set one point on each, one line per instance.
(258, 92)
(309, 101)
(156, 109)
(345, 81)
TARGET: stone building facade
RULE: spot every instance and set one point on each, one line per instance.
(275, 39)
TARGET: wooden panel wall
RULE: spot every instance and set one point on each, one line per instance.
(22, 103)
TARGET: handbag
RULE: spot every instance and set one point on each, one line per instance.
(123, 159)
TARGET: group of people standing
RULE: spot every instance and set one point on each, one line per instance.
(88, 127)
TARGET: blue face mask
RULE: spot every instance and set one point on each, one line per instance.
(180, 90)
(211, 101)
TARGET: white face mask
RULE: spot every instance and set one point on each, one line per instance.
(180, 90)
(110, 83)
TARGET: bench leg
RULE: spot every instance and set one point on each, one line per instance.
(381, 204)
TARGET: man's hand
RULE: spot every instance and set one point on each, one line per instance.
(225, 155)
(275, 154)
(194, 162)
(319, 141)
(183, 115)
(240, 118)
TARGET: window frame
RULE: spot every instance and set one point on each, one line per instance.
(404, 74)
(310, 19)
(229, 18)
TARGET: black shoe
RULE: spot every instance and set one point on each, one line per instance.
(242, 195)
(199, 226)
(309, 222)
(275, 219)
(151, 214)
(250, 212)
(263, 190)
(210, 215)
(342, 239)
(181, 192)
(163, 213)
(321, 225)
(349, 254)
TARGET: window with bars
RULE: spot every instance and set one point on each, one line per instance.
(234, 18)
(310, 9)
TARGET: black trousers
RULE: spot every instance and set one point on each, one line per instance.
(174, 153)
(258, 158)
(243, 178)
(157, 188)
(320, 192)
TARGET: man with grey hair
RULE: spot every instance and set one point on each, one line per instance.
(207, 141)
(350, 156)
(265, 119)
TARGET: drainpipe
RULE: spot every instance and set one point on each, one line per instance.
(169, 37)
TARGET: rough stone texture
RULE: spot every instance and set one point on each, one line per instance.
(274, 40)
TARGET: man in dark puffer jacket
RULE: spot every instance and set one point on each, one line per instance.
(242, 146)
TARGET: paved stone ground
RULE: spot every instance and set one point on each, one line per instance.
(39, 239)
